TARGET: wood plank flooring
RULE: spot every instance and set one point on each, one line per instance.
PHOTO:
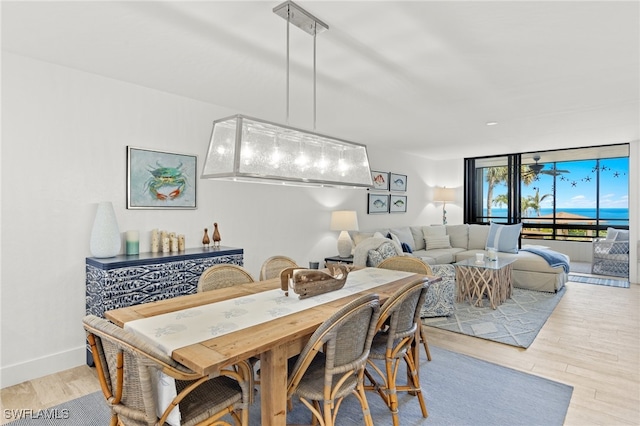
(591, 341)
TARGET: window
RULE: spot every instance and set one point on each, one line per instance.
(572, 194)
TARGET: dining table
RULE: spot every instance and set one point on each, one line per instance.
(274, 338)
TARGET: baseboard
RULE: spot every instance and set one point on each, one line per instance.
(38, 367)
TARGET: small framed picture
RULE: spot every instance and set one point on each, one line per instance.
(380, 180)
(398, 204)
(160, 180)
(398, 182)
(378, 203)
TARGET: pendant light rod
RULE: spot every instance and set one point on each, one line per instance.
(288, 25)
(302, 19)
(314, 78)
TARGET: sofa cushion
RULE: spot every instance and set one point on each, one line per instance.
(438, 242)
(358, 237)
(622, 235)
(478, 237)
(404, 235)
(504, 238)
(458, 235)
(418, 238)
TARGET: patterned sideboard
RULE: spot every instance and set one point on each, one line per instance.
(121, 281)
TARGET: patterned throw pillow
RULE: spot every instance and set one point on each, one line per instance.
(376, 256)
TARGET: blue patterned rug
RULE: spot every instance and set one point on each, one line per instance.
(590, 279)
(516, 322)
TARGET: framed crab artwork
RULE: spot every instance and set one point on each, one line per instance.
(160, 180)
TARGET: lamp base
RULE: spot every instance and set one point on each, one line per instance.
(345, 245)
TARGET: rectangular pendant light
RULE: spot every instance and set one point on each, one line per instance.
(249, 149)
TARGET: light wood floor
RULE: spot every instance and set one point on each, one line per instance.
(591, 341)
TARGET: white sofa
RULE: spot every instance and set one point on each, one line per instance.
(530, 271)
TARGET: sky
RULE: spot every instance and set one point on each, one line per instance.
(577, 186)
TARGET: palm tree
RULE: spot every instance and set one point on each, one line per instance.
(526, 178)
(495, 176)
(533, 202)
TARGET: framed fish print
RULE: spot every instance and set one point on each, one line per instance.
(377, 203)
(160, 180)
(380, 180)
(398, 182)
(398, 204)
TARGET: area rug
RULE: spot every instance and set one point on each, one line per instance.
(459, 390)
(611, 282)
(516, 322)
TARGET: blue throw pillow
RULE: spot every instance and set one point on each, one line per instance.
(406, 248)
(504, 238)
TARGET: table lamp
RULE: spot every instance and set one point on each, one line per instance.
(343, 221)
(444, 194)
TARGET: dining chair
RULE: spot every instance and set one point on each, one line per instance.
(331, 365)
(127, 368)
(393, 342)
(417, 266)
(223, 275)
(272, 267)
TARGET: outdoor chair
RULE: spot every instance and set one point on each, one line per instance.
(331, 365)
(272, 267)
(127, 367)
(394, 342)
(223, 275)
(417, 266)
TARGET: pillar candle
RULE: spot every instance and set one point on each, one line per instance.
(155, 241)
(181, 245)
(165, 245)
(174, 244)
(133, 242)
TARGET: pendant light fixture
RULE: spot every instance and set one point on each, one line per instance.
(243, 148)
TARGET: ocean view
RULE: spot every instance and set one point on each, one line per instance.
(615, 216)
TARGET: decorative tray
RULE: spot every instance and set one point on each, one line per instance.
(312, 282)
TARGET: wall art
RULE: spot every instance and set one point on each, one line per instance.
(398, 182)
(377, 203)
(380, 180)
(160, 180)
(398, 204)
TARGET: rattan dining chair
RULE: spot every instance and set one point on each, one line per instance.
(417, 266)
(126, 366)
(223, 275)
(331, 365)
(393, 342)
(272, 267)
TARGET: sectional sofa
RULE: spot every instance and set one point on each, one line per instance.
(445, 244)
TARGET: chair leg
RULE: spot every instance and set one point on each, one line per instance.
(415, 381)
(423, 338)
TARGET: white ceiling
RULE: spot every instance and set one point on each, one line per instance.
(420, 76)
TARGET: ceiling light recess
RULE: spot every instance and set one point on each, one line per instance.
(243, 148)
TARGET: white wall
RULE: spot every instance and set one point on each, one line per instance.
(64, 138)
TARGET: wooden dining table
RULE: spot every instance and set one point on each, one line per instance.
(274, 341)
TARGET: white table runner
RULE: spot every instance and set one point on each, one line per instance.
(192, 325)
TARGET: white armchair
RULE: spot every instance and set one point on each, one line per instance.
(611, 254)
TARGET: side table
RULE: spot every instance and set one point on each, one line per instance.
(338, 259)
(490, 278)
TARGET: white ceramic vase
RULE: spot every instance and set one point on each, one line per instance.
(105, 235)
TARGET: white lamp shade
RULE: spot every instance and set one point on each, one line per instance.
(444, 194)
(344, 220)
